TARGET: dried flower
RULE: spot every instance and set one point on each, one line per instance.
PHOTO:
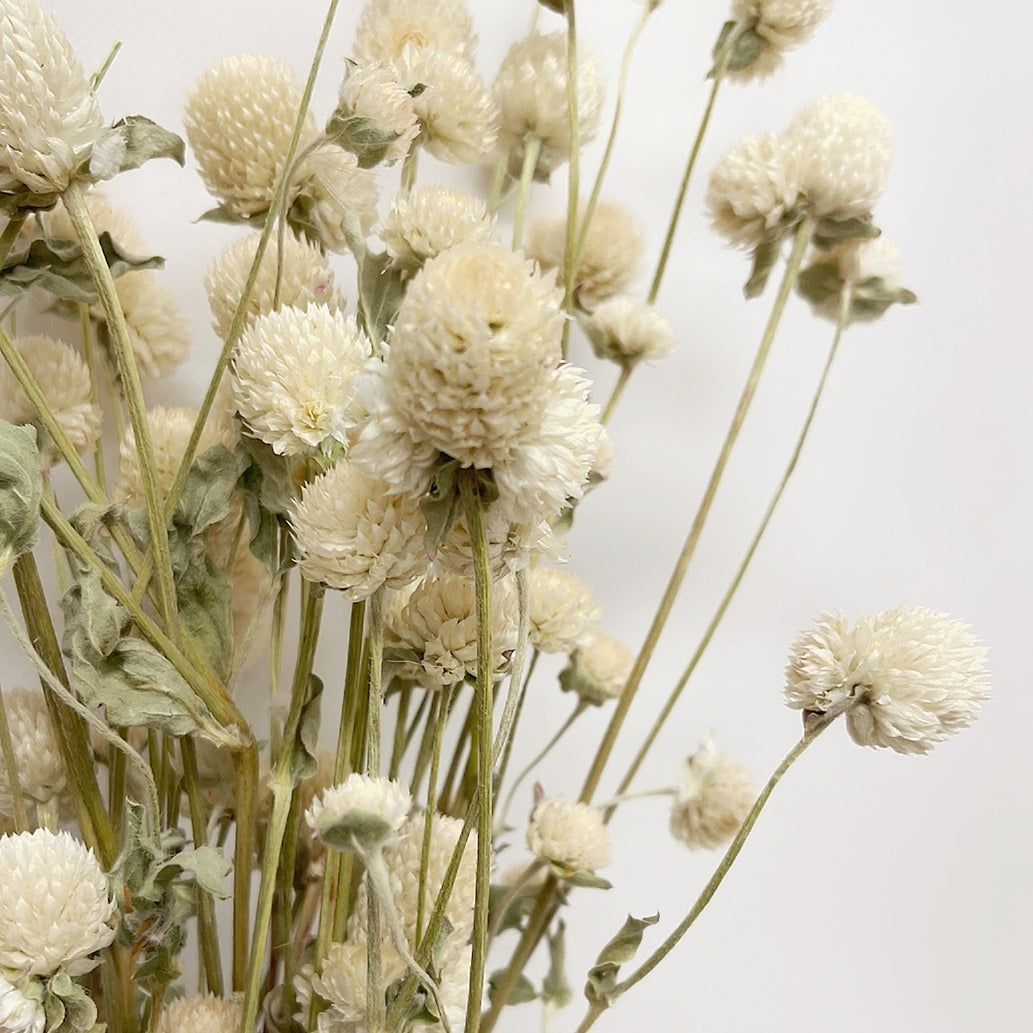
(54, 905)
(712, 801)
(200, 1014)
(64, 379)
(387, 27)
(609, 260)
(158, 330)
(913, 676)
(351, 534)
(374, 92)
(598, 670)
(337, 200)
(239, 120)
(362, 810)
(778, 26)
(569, 835)
(295, 375)
(422, 224)
(510, 545)
(562, 611)
(19, 1012)
(306, 279)
(342, 983)
(49, 116)
(629, 332)
(39, 766)
(531, 90)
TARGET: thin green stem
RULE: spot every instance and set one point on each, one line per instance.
(399, 739)
(86, 329)
(532, 148)
(570, 256)
(410, 166)
(10, 235)
(615, 395)
(800, 243)
(498, 179)
(376, 689)
(437, 722)
(503, 766)
(14, 788)
(511, 707)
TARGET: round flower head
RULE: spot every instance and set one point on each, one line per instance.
(361, 810)
(200, 1014)
(598, 670)
(239, 120)
(780, 25)
(629, 332)
(106, 218)
(49, 116)
(306, 279)
(374, 92)
(712, 801)
(351, 534)
(19, 1012)
(64, 379)
(387, 27)
(457, 112)
(54, 905)
(337, 200)
(609, 260)
(342, 983)
(909, 678)
(570, 836)
(158, 329)
(429, 220)
(37, 754)
(531, 91)
(475, 342)
(753, 189)
(842, 152)
(562, 610)
(294, 378)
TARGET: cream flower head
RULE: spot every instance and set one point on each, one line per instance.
(781, 25)
(629, 332)
(363, 810)
(200, 1014)
(387, 27)
(39, 765)
(55, 909)
(599, 670)
(610, 258)
(337, 200)
(239, 121)
(429, 220)
(64, 379)
(342, 983)
(49, 116)
(158, 330)
(531, 91)
(374, 92)
(911, 677)
(352, 535)
(563, 612)
(569, 835)
(294, 378)
(20, 1013)
(306, 279)
(712, 801)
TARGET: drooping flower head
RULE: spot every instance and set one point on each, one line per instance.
(629, 332)
(363, 810)
(911, 677)
(569, 835)
(775, 27)
(712, 801)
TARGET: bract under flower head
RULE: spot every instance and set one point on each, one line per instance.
(362, 811)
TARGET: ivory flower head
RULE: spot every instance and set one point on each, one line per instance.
(361, 810)
(712, 801)
(569, 835)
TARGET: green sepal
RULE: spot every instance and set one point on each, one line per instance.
(440, 504)
(820, 283)
(745, 47)
(21, 490)
(58, 267)
(367, 138)
(381, 290)
(765, 255)
(872, 297)
(360, 829)
(556, 989)
(601, 982)
(226, 216)
(68, 1007)
(523, 989)
(18, 202)
(830, 232)
(586, 880)
(141, 140)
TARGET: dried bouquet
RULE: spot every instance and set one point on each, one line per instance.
(420, 451)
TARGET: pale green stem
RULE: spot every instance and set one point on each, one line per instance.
(410, 166)
(800, 243)
(532, 148)
(21, 818)
(47, 816)
(90, 353)
(503, 765)
(439, 718)
(498, 178)
(473, 509)
(9, 236)
(513, 892)
(615, 396)
(129, 378)
(98, 76)
(376, 688)
(573, 171)
(245, 772)
(740, 573)
(672, 226)
(399, 740)
(516, 670)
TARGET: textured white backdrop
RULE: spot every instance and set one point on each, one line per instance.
(878, 892)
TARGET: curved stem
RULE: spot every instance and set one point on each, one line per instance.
(503, 763)
(740, 573)
(516, 670)
(800, 243)
(615, 396)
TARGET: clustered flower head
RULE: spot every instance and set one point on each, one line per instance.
(336, 200)
(775, 26)
(49, 116)
(55, 909)
(598, 670)
(712, 801)
(20, 1012)
(387, 27)
(39, 766)
(373, 92)
(569, 835)
(362, 810)
(429, 220)
(908, 678)
(562, 610)
(294, 378)
(203, 1013)
(628, 332)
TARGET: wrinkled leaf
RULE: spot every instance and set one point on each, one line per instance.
(21, 489)
(267, 490)
(304, 760)
(210, 484)
(226, 216)
(522, 992)
(602, 976)
(207, 867)
(367, 138)
(829, 232)
(587, 880)
(872, 297)
(68, 1007)
(143, 140)
(204, 596)
(746, 47)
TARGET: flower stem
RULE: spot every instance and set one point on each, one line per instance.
(615, 396)
(570, 249)
(800, 243)
(516, 670)
(10, 235)
(503, 763)
(532, 148)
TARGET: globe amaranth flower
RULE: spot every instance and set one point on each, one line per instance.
(39, 766)
(305, 278)
(363, 810)
(21, 1012)
(629, 332)
(387, 27)
(510, 545)
(712, 800)
(203, 1013)
(429, 220)
(335, 200)
(239, 121)
(352, 535)
(598, 670)
(373, 92)
(49, 116)
(908, 677)
(531, 91)
(569, 835)
(562, 610)
(64, 379)
(55, 909)
(294, 378)
(159, 333)
(778, 26)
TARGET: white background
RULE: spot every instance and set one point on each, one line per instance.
(878, 891)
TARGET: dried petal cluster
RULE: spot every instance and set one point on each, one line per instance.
(203, 1013)
(712, 800)
(39, 766)
(778, 26)
(429, 220)
(570, 835)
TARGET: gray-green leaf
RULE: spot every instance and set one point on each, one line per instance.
(602, 976)
(144, 140)
(21, 489)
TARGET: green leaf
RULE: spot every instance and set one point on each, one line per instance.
(381, 289)
(207, 867)
(304, 763)
(209, 486)
(144, 140)
(872, 297)
(602, 976)
(588, 880)
(68, 1007)
(228, 217)
(21, 489)
(556, 989)
(267, 489)
(367, 138)
(829, 232)
(204, 596)
(522, 992)
(765, 256)
(440, 505)
(747, 46)
(820, 283)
